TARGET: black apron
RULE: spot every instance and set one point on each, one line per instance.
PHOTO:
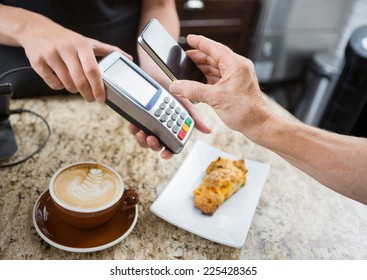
(113, 22)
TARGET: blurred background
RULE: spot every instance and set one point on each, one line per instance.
(310, 55)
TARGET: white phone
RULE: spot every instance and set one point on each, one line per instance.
(168, 54)
(137, 97)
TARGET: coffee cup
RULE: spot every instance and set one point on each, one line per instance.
(88, 194)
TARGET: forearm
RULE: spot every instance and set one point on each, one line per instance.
(337, 161)
(164, 11)
(10, 25)
(13, 23)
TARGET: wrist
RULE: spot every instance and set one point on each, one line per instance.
(26, 26)
(264, 133)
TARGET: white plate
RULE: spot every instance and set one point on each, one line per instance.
(230, 223)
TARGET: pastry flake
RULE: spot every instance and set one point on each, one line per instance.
(224, 178)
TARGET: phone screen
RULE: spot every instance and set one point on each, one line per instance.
(167, 50)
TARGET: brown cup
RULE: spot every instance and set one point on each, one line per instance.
(74, 191)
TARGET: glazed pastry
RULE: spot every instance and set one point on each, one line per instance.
(224, 178)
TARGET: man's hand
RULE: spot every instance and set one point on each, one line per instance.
(151, 142)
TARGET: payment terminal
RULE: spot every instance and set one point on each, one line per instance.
(138, 98)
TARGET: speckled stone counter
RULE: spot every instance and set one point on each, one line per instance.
(296, 218)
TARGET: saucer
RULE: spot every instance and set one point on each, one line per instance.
(61, 235)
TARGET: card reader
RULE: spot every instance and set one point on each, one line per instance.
(141, 100)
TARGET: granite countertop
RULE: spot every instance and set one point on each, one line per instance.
(296, 217)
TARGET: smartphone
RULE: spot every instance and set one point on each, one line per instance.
(168, 54)
(138, 98)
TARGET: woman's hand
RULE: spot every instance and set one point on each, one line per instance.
(64, 58)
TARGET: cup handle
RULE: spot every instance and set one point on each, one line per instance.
(129, 199)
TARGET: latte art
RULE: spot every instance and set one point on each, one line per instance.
(87, 186)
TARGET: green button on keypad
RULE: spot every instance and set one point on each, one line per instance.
(188, 121)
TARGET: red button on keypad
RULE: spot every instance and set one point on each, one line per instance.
(181, 135)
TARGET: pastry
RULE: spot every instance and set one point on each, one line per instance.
(223, 178)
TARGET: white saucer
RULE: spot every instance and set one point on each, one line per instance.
(61, 235)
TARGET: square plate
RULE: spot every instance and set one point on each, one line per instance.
(230, 223)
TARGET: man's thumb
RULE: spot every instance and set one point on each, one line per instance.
(192, 90)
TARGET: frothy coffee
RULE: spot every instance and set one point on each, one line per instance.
(87, 186)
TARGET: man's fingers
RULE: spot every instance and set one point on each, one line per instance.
(199, 124)
(201, 58)
(213, 49)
